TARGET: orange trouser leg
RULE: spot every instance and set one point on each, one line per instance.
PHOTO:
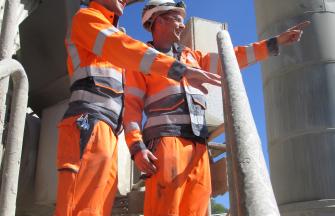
(182, 184)
(87, 184)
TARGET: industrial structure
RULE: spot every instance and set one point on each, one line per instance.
(48, 99)
(299, 100)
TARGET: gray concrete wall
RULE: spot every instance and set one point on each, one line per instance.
(299, 93)
(43, 52)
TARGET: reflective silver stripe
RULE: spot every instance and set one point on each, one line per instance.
(250, 54)
(191, 90)
(214, 60)
(168, 119)
(100, 40)
(131, 126)
(200, 119)
(147, 60)
(135, 91)
(72, 49)
(73, 52)
(84, 72)
(108, 103)
(191, 58)
(68, 31)
(164, 93)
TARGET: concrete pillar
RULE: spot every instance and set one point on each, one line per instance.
(299, 93)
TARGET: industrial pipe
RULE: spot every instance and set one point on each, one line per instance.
(250, 188)
(9, 29)
(11, 168)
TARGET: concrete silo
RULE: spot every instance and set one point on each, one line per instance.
(299, 93)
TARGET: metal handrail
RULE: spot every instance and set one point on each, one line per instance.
(12, 68)
(8, 31)
(138, 185)
(217, 146)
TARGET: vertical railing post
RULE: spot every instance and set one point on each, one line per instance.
(9, 29)
(12, 157)
(250, 190)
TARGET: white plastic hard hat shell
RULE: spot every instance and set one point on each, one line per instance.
(159, 2)
(147, 15)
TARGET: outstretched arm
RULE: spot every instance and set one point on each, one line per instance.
(254, 52)
(96, 34)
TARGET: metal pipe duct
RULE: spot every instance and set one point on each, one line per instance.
(299, 94)
(11, 168)
(249, 182)
(9, 29)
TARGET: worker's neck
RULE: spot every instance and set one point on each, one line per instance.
(162, 44)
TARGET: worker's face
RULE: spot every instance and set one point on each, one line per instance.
(115, 6)
(172, 23)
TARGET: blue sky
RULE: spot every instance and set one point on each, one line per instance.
(240, 16)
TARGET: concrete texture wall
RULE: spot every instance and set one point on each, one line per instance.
(299, 93)
(42, 49)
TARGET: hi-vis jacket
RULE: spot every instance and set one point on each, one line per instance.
(172, 107)
(97, 54)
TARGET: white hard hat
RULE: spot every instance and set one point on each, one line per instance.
(154, 7)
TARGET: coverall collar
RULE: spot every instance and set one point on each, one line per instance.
(107, 13)
(177, 49)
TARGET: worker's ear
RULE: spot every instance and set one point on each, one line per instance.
(159, 20)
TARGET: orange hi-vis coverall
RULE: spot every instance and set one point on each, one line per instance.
(98, 53)
(175, 130)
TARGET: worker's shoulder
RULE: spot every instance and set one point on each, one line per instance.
(89, 14)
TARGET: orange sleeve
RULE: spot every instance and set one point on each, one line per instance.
(259, 51)
(135, 88)
(211, 62)
(246, 55)
(94, 32)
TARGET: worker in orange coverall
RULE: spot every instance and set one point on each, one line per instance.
(170, 148)
(98, 54)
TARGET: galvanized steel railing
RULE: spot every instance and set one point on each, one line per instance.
(12, 156)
